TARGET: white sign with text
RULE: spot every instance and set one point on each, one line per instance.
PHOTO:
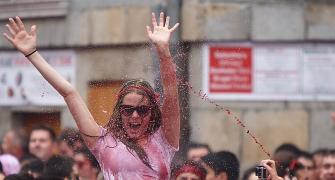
(22, 84)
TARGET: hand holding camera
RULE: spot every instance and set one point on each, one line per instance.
(260, 172)
(267, 170)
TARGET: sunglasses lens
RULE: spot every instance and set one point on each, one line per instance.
(143, 110)
(127, 110)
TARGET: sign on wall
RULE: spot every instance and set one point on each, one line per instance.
(264, 71)
(22, 84)
(319, 71)
(230, 69)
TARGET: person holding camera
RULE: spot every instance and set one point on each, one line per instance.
(270, 167)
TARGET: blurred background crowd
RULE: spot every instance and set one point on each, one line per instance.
(43, 155)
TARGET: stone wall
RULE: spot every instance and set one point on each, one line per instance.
(258, 20)
(306, 124)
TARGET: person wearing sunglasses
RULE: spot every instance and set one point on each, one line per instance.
(85, 165)
(142, 135)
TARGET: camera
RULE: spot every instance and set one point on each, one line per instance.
(260, 172)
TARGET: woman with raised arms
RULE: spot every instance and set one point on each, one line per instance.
(142, 135)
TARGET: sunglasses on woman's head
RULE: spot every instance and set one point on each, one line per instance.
(128, 110)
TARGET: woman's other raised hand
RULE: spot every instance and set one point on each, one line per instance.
(160, 33)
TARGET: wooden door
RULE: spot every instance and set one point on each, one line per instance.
(102, 96)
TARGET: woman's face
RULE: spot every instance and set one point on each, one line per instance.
(135, 113)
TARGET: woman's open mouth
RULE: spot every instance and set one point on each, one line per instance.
(134, 126)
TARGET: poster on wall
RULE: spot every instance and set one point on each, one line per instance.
(21, 83)
(265, 71)
(277, 72)
(319, 71)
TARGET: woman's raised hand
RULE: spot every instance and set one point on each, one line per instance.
(22, 40)
(160, 32)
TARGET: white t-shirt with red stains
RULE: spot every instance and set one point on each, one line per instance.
(118, 163)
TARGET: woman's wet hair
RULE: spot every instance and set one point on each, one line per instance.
(115, 124)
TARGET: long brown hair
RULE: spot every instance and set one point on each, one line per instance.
(115, 125)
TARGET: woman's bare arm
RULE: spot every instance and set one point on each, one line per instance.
(160, 37)
(26, 43)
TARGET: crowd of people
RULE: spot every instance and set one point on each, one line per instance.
(141, 137)
(288, 163)
(43, 155)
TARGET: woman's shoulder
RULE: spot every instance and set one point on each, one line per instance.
(106, 139)
(159, 138)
